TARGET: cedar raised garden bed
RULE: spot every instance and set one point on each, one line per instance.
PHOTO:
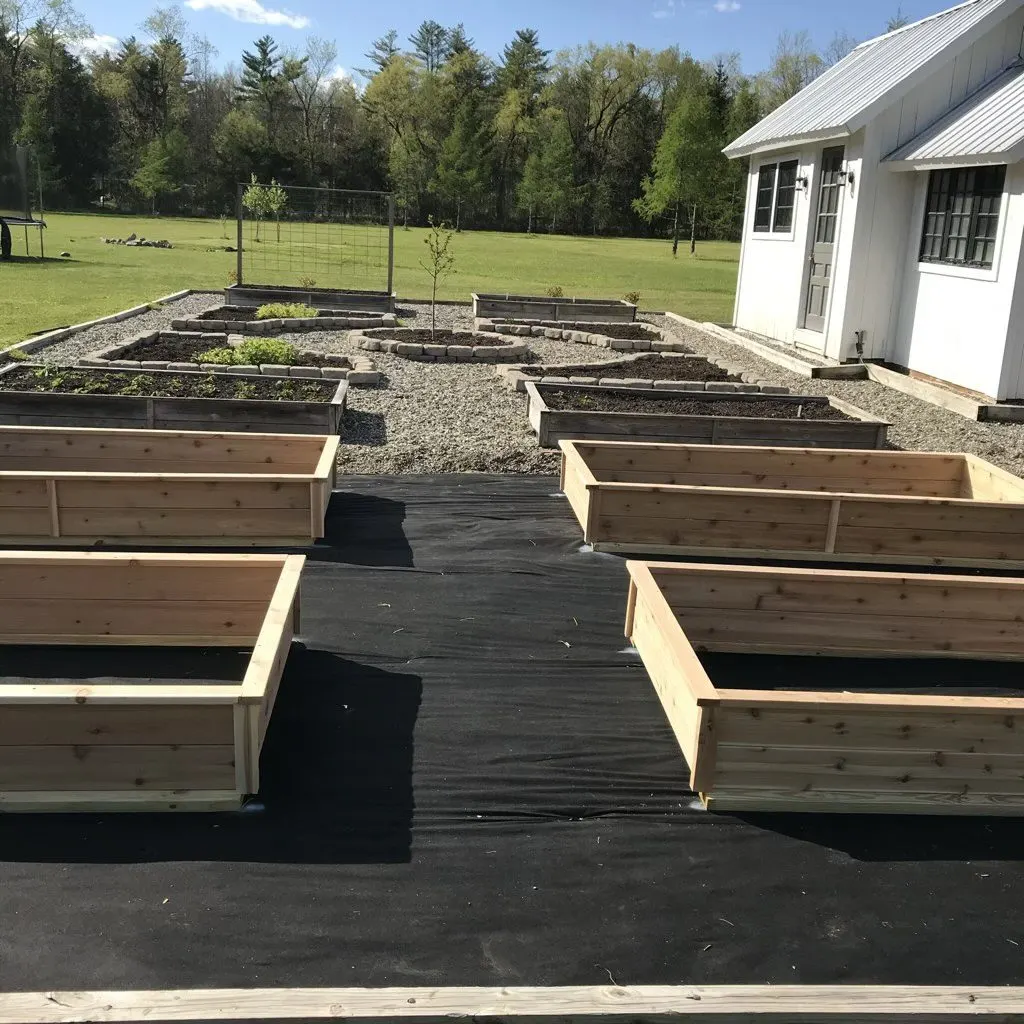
(106, 724)
(796, 503)
(161, 399)
(319, 298)
(542, 307)
(560, 412)
(80, 486)
(822, 749)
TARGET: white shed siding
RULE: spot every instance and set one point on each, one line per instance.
(879, 254)
(841, 100)
(772, 267)
(954, 321)
(953, 82)
(1013, 360)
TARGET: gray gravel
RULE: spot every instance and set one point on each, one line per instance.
(916, 425)
(443, 417)
(79, 345)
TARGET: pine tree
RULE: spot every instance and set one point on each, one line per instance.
(381, 52)
(430, 45)
(459, 176)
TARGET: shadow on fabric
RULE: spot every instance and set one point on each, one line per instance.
(894, 837)
(363, 529)
(336, 775)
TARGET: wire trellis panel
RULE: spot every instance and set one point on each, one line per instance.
(321, 238)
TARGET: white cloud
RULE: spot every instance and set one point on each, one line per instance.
(251, 12)
(727, 6)
(668, 11)
(96, 45)
(339, 74)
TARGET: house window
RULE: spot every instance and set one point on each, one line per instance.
(776, 197)
(962, 215)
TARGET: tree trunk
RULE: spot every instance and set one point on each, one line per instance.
(529, 220)
(675, 231)
(693, 230)
(458, 216)
(279, 228)
(433, 308)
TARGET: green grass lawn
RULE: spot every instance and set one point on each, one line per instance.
(100, 279)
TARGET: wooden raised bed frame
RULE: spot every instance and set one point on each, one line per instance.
(67, 745)
(68, 486)
(805, 504)
(552, 426)
(53, 409)
(491, 306)
(757, 750)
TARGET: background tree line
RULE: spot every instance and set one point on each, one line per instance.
(603, 139)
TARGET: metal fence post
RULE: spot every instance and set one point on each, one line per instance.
(391, 243)
(238, 216)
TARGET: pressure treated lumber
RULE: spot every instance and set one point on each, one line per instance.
(64, 486)
(806, 504)
(141, 744)
(727, 1004)
(758, 749)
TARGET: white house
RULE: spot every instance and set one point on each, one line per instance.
(885, 205)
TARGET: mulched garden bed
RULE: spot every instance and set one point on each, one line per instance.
(247, 314)
(599, 400)
(416, 336)
(193, 385)
(649, 368)
(186, 350)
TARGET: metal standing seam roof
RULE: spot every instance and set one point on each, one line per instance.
(989, 123)
(836, 102)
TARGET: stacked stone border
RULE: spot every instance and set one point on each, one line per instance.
(336, 320)
(356, 369)
(584, 334)
(589, 374)
(425, 353)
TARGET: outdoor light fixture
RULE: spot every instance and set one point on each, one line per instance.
(846, 178)
(804, 182)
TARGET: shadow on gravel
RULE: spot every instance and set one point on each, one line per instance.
(364, 429)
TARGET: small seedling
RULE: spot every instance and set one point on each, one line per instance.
(633, 298)
(307, 282)
(555, 292)
(439, 263)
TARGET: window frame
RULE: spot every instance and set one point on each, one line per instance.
(954, 204)
(771, 227)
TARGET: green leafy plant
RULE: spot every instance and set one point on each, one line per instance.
(254, 351)
(633, 298)
(251, 352)
(555, 292)
(307, 282)
(284, 310)
(220, 356)
(245, 389)
(16, 355)
(232, 277)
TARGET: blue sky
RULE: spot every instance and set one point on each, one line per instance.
(703, 27)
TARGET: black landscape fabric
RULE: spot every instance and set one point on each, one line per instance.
(469, 781)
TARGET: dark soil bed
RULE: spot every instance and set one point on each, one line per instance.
(186, 385)
(138, 665)
(603, 400)
(247, 314)
(187, 350)
(416, 336)
(943, 677)
(627, 332)
(648, 368)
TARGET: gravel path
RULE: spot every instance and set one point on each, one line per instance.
(916, 425)
(450, 418)
(79, 345)
(442, 417)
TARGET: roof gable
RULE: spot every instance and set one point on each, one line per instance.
(875, 74)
